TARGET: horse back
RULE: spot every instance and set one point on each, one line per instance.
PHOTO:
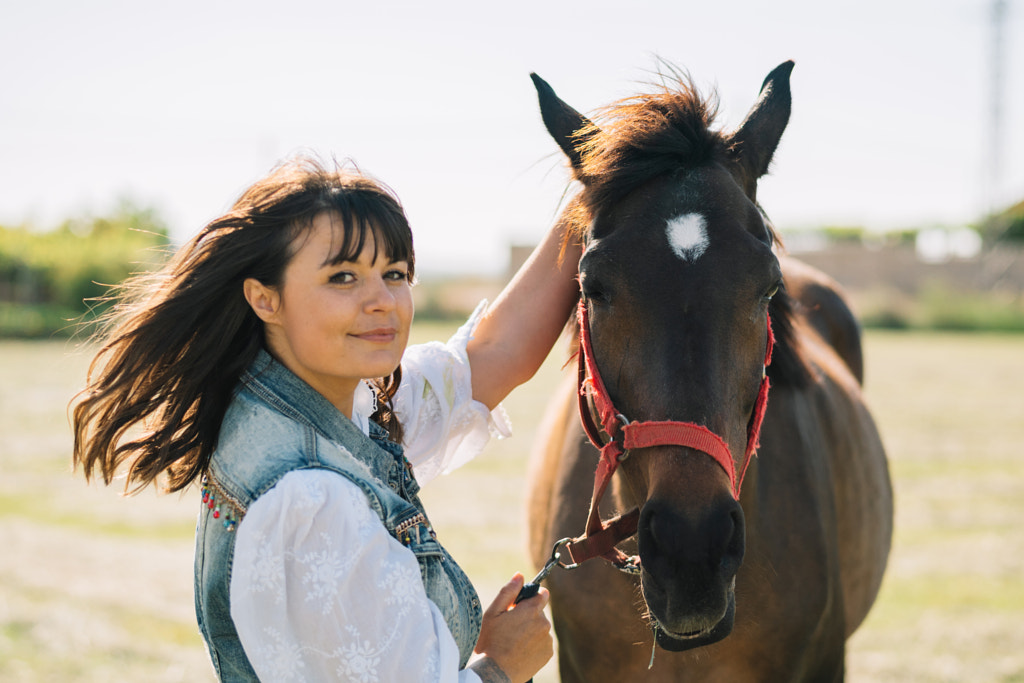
(858, 485)
(825, 307)
(830, 341)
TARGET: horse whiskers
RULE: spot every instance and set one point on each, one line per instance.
(654, 646)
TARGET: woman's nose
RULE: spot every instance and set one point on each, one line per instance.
(379, 295)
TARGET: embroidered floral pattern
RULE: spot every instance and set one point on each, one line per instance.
(319, 613)
(360, 514)
(359, 662)
(313, 496)
(267, 571)
(323, 573)
(282, 657)
(401, 586)
(431, 668)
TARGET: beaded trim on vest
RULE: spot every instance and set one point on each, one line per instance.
(225, 507)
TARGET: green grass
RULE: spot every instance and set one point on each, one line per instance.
(88, 593)
(953, 595)
(950, 410)
(47, 509)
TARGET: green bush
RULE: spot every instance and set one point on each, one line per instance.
(971, 311)
(48, 279)
(1005, 226)
(939, 307)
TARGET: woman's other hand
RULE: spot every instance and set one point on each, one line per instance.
(517, 638)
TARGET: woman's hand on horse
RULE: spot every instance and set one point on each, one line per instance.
(517, 637)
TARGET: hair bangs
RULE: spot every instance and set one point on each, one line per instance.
(365, 213)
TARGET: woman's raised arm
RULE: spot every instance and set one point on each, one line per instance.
(519, 329)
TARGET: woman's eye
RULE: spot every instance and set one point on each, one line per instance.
(396, 275)
(343, 278)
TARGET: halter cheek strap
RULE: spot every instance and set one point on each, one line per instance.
(600, 538)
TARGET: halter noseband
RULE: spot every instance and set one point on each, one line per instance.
(600, 538)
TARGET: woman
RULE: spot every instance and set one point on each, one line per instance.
(264, 360)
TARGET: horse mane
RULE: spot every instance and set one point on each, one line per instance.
(639, 138)
(789, 365)
(663, 132)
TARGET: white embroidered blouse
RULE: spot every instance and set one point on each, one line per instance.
(319, 590)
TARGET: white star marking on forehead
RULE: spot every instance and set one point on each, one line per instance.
(688, 236)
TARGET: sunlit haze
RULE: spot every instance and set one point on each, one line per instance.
(181, 105)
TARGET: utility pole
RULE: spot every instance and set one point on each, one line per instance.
(996, 83)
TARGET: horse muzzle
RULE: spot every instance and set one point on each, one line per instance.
(678, 642)
(689, 564)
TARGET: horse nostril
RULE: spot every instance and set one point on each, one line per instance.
(735, 546)
(662, 531)
(711, 537)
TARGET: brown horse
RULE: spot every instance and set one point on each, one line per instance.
(679, 277)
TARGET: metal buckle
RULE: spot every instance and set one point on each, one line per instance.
(625, 423)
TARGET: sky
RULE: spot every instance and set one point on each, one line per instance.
(180, 106)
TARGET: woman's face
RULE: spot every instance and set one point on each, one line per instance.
(334, 324)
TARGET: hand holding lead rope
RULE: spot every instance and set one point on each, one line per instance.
(530, 588)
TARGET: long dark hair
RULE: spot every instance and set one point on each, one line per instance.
(178, 340)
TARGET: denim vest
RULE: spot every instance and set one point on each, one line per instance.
(276, 424)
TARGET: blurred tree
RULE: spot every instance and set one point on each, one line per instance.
(66, 271)
(1005, 226)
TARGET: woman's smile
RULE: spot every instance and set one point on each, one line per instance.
(381, 335)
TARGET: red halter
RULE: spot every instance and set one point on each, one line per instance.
(600, 538)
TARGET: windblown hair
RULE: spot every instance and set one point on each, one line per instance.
(666, 132)
(178, 340)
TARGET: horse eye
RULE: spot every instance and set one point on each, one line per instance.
(772, 292)
(592, 289)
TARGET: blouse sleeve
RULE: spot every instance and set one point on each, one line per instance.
(444, 427)
(320, 591)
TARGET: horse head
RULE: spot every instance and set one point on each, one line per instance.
(676, 277)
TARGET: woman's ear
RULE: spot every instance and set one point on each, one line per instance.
(265, 301)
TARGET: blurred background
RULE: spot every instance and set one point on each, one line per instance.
(125, 127)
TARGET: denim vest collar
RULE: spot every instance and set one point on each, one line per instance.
(285, 392)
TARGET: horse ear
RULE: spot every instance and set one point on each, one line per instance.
(755, 141)
(563, 123)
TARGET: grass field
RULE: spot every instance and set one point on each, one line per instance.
(97, 587)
